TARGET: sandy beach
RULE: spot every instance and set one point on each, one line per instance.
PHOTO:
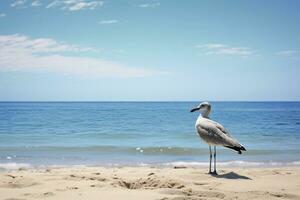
(150, 183)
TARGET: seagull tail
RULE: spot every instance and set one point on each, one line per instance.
(238, 149)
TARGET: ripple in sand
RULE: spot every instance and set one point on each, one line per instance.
(39, 195)
(191, 194)
(17, 182)
(267, 194)
(200, 183)
(79, 178)
(97, 185)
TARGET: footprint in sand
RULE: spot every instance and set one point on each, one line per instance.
(48, 194)
(79, 178)
(148, 183)
(72, 188)
(74, 177)
(97, 185)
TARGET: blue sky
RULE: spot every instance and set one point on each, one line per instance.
(90, 50)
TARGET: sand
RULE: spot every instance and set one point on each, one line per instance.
(150, 183)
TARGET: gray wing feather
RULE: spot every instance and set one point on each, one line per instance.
(215, 133)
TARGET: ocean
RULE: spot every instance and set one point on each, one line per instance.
(39, 134)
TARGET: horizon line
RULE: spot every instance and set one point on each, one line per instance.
(141, 101)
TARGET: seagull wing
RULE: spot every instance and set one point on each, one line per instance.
(217, 134)
(221, 128)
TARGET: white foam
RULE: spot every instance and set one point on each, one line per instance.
(296, 163)
(238, 163)
(143, 164)
(181, 163)
(14, 166)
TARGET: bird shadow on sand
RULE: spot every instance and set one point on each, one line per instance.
(231, 175)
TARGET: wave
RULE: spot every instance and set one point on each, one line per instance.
(238, 163)
(170, 151)
(14, 166)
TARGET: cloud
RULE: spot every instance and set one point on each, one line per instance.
(2, 15)
(18, 4)
(40, 45)
(21, 53)
(53, 4)
(36, 3)
(288, 53)
(85, 5)
(112, 21)
(222, 49)
(75, 5)
(149, 5)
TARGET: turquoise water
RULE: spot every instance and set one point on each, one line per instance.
(143, 133)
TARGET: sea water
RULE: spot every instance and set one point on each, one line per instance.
(34, 134)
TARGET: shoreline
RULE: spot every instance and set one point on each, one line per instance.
(7, 166)
(167, 183)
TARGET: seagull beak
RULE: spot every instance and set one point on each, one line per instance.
(194, 109)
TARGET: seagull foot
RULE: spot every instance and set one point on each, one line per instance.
(214, 173)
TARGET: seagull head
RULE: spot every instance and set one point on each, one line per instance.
(204, 108)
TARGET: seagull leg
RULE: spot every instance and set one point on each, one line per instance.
(210, 156)
(215, 155)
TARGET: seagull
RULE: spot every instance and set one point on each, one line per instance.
(214, 134)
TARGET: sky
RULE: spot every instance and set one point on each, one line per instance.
(149, 50)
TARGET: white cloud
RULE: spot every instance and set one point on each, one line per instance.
(25, 3)
(288, 53)
(18, 3)
(112, 21)
(40, 45)
(2, 15)
(211, 46)
(53, 4)
(149, 5)
(75, 5)
(85, 5)
(36, 3)
(21, 53)
(222, 49)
